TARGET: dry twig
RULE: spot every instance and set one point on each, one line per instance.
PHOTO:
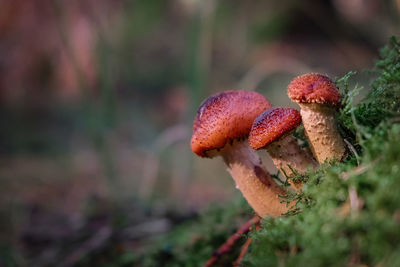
(245, 248)
(358, 170)
(227, 246)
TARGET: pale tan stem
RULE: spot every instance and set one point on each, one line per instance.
(286, 152)
(255, 183)
(322, 132)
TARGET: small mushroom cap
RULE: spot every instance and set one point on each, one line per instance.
(314, 88)
(272, 125)
(225, 116)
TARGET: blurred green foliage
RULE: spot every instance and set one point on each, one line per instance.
(192, 243)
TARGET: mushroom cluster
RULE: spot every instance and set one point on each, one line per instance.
(220, 128)
(234, 124)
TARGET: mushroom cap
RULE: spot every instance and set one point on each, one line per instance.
(272, 125)
(225, 116)
(314, 88)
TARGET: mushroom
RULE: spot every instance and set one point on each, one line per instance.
(221, 128)
(318, 98)
(272, 130)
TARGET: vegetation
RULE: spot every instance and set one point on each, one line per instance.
(97, 104)
(348, 213)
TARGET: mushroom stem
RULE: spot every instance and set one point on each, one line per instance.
(255, 183)
(286, 152)
(321, 129)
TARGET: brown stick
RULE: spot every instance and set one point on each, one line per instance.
(245, 248)
(227, 246)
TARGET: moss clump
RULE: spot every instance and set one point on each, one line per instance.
(348, 214)
(331, 229)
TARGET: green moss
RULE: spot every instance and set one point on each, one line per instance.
(327, 231)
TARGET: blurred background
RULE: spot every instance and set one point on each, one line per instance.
(98, 98)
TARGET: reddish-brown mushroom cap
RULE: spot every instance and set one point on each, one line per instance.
(314, 88)
(224, 117)
(272, 125)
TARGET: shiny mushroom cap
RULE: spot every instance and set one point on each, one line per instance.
(272, 125)
(314, 88)
(224, 117)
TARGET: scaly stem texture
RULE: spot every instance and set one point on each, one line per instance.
(255, 183)
(286, 152)
(322, 132)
